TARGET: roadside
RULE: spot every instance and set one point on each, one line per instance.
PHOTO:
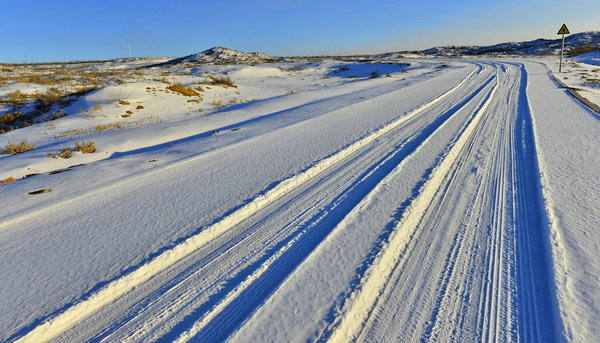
(580, 76)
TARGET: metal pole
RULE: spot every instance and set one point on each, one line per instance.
(129, 47)
(562, 48)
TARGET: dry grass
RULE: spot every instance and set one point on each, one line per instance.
(16, 97)
(123, 102)
(8, 180)
(217, 105)
(111, 126)
(57, 115)
(224, 81)
(64, 153)
(295, 68)
(85, 147)
(9, 118)
(183, 90)
(582, 50)
(45, 101)
(375, 75)
(12, 149)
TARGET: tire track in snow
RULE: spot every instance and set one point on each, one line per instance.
(355, 317)
(115, 289)
(16, 217)
(206, 328)
(537, 295)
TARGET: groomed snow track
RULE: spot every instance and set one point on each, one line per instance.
(431, 227)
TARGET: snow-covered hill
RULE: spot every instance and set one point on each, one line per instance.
(221, 55)
(535, 47)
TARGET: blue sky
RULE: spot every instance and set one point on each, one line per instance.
(52, 30)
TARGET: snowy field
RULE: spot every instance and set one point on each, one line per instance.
(309, 200)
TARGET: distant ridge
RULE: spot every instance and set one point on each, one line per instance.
(535, 47)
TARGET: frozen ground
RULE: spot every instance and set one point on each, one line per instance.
(449, 200)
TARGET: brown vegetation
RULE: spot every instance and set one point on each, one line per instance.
(39, 191)
(9, 179)
(582, 50)
(224, 81)
(182, 89)
(12, 149)
(85, 147)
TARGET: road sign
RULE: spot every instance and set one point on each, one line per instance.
(563, 30)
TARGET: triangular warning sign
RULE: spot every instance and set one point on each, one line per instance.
(563, 30)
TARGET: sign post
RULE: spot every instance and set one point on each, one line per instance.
(562, 31)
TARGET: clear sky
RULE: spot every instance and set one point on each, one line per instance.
(52, 30)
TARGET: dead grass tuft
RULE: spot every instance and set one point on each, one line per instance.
(111, 126)
(224, 81)
(182, 89)
(57, 115)
(44, 101)
(64, 153)
(85, 147)
(16, 97)
(9, 118)
(8, 180)
(217, 105)
(12, 149)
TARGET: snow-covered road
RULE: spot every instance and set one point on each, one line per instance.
(438, 208)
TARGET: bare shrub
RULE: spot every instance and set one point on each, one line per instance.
(85, 147)
(16, 97)
(12, 149)
(224, 81)
(64, 153)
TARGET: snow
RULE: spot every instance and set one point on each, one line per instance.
(456, 199)
(589, 58)
(566, 137)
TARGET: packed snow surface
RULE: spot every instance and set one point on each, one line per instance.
(416, 199)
